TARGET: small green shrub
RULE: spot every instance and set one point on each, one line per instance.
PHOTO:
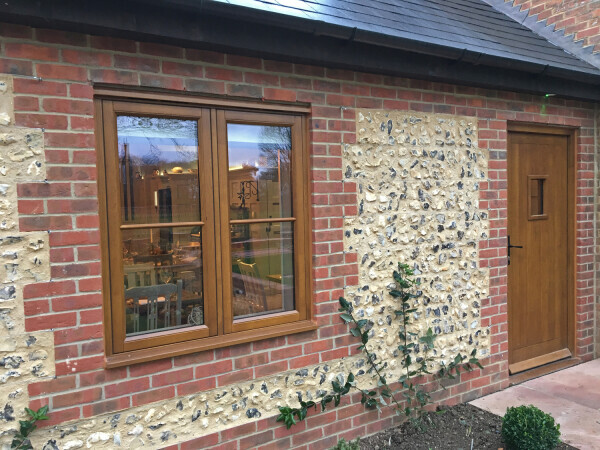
(343, 445)
(529, 428)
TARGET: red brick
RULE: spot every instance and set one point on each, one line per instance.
(173, 83)
(68, 106)
(48, 289)
(280, 95)
(23, 103)
(173, 377)
(58, 384)
(150, 367)
(153, 396)
(256, 439)
(161, 50)
(81, 333)
(51, 121)
(235, 377)
(88, 253)
(30, 51)
(223, 74)
(205, 56)
(270, 369)
(244, 61)
(251, 360)
(74, 302)
(50, 321)
(59, 72)
(16, 67)
(90, 316)
(85, 58)
(15, 31)
(113, 44)
(74, 238)
(77, 397)
(81, 91)
(201, 442)
(193, 359)
(237, 431)
(181, 69)
(136, 63)
(196, 386)
(71, 206)
(107, 406)
(113, 76)
(30, 206)
(33, 308)
(60, 37)
(79, 365)
(54, 419)
(124, 387)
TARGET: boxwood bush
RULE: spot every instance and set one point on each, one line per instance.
(529, 428)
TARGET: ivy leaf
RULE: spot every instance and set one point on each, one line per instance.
(347, 318)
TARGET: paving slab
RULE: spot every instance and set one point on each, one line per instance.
(571, 396)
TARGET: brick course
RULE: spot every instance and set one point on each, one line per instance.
(578, 18)
(67, 203)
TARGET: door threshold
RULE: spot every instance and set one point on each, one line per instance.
(540, 371)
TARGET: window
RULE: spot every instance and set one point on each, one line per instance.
(205, 233)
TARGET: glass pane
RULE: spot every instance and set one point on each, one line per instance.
(263, 268)
(162, 271)
(158, 167)
(259, 171)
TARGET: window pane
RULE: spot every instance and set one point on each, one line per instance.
(263, 268)
(259, 171)
(162, 279)
(158, 168)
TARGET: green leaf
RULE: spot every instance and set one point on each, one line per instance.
(344, 303)
(346, 318)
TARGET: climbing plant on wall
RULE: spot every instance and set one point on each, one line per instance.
(414, 395)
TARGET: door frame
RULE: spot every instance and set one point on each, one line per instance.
(572, 134)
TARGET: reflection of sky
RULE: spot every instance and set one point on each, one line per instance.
(175, 141)
(244, 142)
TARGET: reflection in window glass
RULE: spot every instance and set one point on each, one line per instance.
(259, 171)
(263, 268)
(158, 167)
(162, 271)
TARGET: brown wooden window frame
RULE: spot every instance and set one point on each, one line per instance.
(220, 329)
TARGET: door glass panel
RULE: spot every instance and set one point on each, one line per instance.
(158, 169)
(263, 268)
(162, 271)
(259, 179)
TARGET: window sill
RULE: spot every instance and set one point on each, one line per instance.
(199, 345)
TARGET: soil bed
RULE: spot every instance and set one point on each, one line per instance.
(451, 429)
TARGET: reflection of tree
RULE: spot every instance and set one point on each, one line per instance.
(276, 148)
(178, 132)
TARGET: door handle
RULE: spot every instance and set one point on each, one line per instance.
(509, 246)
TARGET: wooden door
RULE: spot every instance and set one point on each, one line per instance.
(538, 239)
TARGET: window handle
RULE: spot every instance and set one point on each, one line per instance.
(511, 246)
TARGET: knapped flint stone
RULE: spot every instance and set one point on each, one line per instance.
(8, 293)
(8, 414)
(50, 445)
(12, 362)
(253, 413)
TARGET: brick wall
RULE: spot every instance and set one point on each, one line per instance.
(66, 205)
(576, 17)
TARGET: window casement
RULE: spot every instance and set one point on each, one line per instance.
(204, 224)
